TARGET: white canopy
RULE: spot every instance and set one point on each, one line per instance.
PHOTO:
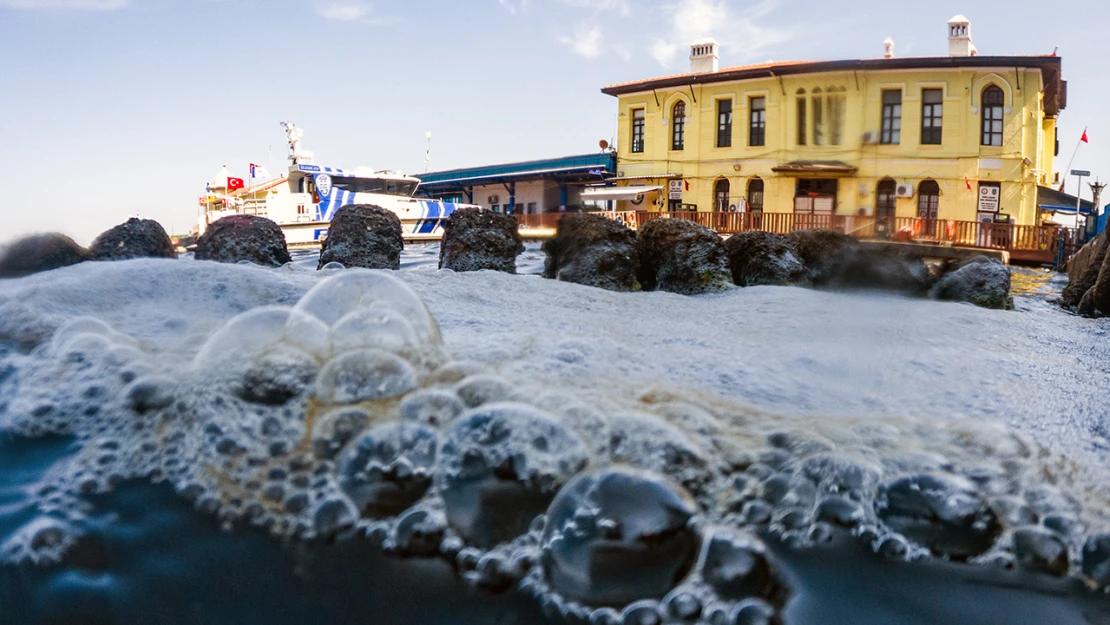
(616, 193)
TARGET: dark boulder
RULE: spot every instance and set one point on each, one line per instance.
(980, 280)
(1096, 301)
(824, 252)
(363, 235)
(1083, 270)
(476, 239)
(764, 258)
(135, 238)
(680, 256)
(945, 513)
(39, 252)
(243, 237)
(592, 250)
(886, 269)
(837, 261)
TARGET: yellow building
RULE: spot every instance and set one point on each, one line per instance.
(962, 137)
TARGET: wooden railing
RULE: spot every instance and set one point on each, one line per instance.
(1034, 243)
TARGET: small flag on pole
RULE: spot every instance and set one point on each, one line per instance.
(967, 182)
(234, 184)
(258, 171)
(1084, 137)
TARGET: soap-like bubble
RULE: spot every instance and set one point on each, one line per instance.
(619, 535)
(376, 328)
(735, 564)
(945, 513)
(343, 293)
(500, 466)
(388, 469)
(364, 375)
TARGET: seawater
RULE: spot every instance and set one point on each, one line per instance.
(191, 442)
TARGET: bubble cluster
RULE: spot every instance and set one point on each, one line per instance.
(344, 415)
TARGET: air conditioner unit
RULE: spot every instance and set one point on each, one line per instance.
(493, 199)
(904, 190)
(870, 138)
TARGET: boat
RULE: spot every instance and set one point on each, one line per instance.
(304, 200)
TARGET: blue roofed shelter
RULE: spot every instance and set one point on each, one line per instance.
(525, 188)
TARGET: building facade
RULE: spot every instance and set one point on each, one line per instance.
(526, 188)
(962, 137)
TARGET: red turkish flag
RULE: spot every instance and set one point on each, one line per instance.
(1084, 137)
(968, 183)
(234, 184)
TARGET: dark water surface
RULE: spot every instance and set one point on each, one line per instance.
(147, 557)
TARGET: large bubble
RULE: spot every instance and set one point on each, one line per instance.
(619, 535)
(340, 295)
(388, 469)
(500, 467)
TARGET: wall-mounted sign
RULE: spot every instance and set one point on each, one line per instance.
(989, 196)
(674, 190)
(1081, 172)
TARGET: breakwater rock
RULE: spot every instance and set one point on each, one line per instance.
(1088, 290)
(593, 250)
(980, 280)
(39, 252)
(363, 235)
(135, 238)
(764, 258)
(243, 238)
(680, 256)
(475, 239)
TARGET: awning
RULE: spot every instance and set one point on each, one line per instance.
(1049, 199)
(616, 193)
(815, 167)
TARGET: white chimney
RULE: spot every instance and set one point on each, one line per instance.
(705, 56)
(959, 37)
(888, 48)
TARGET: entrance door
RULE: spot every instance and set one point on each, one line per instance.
(814, 203)
(886, 203)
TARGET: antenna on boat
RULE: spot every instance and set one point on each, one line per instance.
(428, 154)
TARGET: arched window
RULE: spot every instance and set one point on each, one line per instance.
(802, 125)
(678, 126)
(886, 199)
(755, 195)
(993, 101)
(928, 199)
(720, 195)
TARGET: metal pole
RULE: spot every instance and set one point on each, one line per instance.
(1078, 201)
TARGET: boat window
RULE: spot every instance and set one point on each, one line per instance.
(375, 185)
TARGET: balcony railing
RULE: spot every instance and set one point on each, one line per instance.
(1033, 243)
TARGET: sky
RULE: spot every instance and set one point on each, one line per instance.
(116, 108)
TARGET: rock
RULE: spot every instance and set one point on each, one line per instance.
(363, 235)
(883, 269)
(135, 238)
(243, 237)
(1083, 270)
(39, 252)
(980, 280)
(943, 512)
(679, 256)
(837, 261)
(1096, 301)
(764, 258)
(824, 253)
(593, 250)
(476, 239)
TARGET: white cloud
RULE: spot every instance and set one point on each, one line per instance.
(512, 6)
(738, 34)
(586, 42)
(619, 6)
(81, 5)
(344, 11)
